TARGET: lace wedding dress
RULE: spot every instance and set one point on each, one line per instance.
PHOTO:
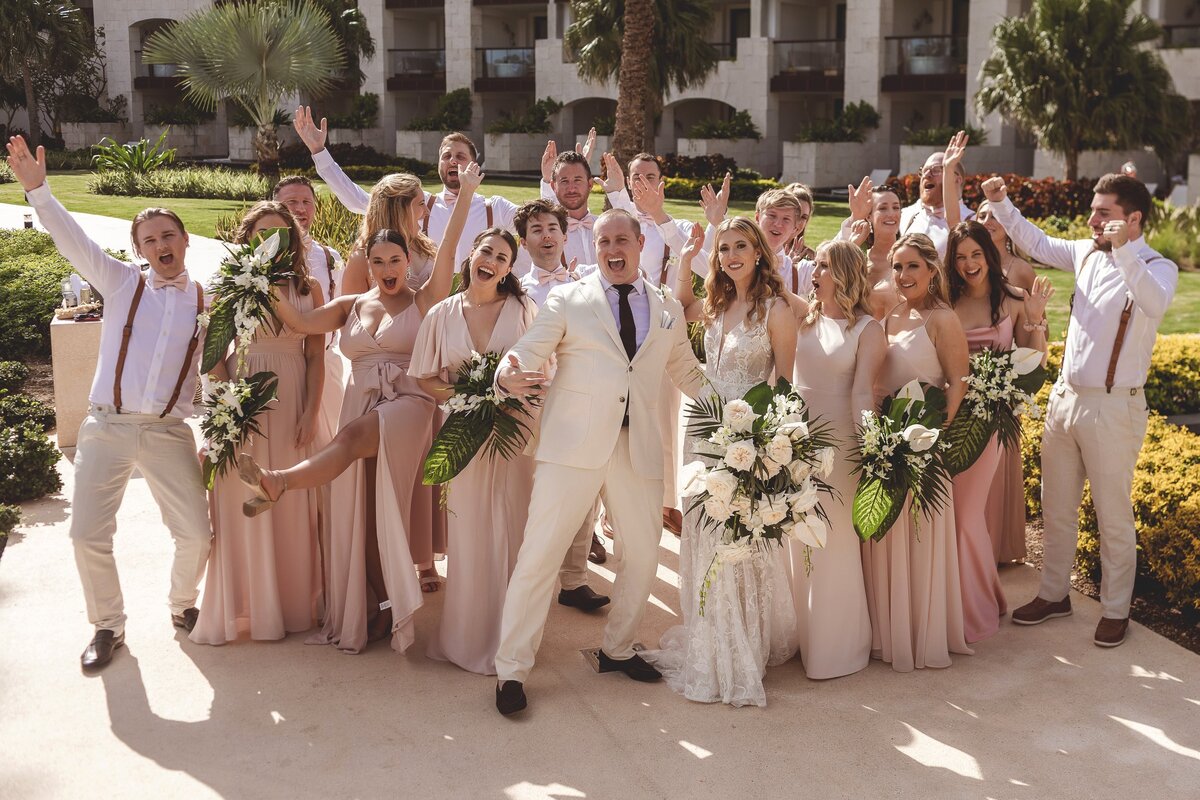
(749, 620)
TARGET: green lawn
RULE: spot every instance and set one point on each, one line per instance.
(200, 217)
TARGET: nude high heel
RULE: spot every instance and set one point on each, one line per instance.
(251, 474)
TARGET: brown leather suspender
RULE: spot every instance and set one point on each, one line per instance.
(487, 204)
(329, 264)
(662, 275)
(1126, 313)
(187, 359)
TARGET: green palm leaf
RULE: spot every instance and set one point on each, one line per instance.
(455, 445)
(217, 337)
(876, 508)
(508, 436)
(1032, 381)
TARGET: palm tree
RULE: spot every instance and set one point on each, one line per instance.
(350, 27)
(668, 49)
(39, 34)
(1083, 74)
(254, 54)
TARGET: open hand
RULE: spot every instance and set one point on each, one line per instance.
(994, 189)
(549, 155)
(528, 384)
(312, 136)
(650, 198)
(716, 204)
(955, 151)
(694, 243)
(469, 178)
(307, 430)
(860, 198)
(588, 147)
(1037, 298)
(29, 169)
(860, 230)
(614, 178)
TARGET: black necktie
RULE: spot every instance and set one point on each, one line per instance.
(625, 315)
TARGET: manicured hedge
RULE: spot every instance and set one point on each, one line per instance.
(205, 183)
(739, 188)
(31, 275)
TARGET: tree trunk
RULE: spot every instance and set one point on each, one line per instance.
(266, 150)
(633, 80)
(1072, 159)
(31, 106)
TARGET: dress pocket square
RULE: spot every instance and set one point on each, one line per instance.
(667, 322)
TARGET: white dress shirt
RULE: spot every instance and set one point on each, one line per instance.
(639, 304)
(162, 328)
(355, 198)
(1103, 283)
(322, 270)
(920, 218)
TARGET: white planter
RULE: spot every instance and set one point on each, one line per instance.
(832, 164)
(421, 145)
(1094, 163)
(368, 137)
(82, 135)
(209, 140)
(976, 161)
(762, 156)
(515, 152)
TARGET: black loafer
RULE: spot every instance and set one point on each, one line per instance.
(510, 697)
(186, 619)
(100, 651)
(634, 667)
(582, 598)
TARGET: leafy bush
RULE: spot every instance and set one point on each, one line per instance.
(27, 464)
(297, 157)
(453, 114)
(94, 109)
(6, 175)
(31, 275)
(739, 188)
(13, 375)
(739, 126)
(1175, 232)
(183, 114)
(133, 159)
(851, 125)
(195, 182)
(17, 409)
(606, 125)
(363, 114)
(10, 518)
(333, 225)
(939, 136)
(1064, 227)
(535, 119)
(61, 160)
(1036, 198)
(711, 167)
(240, 118)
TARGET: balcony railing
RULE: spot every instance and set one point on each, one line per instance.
(813, 65)
(144, 70)
(416, 68)
(1181, 36)
(726, 51)
(925, 63)
(505, 63)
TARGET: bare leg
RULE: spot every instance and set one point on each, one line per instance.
(359, 439)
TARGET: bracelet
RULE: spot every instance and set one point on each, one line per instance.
(1040, 326)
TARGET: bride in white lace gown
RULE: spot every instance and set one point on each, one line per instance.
(749, 620)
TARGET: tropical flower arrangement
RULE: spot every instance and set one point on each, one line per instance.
(770, 462)
(477, 418)
(1000, 390)
(230, 411)
(899, 449)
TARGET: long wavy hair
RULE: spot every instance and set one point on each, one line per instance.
(851, 289)
(925, 248)
(389, 207)
(509, 284)
(765, 284)
(295, 238)
(998, 285)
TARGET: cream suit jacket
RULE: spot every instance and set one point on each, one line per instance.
(586, 400)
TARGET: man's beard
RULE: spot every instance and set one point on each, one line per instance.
(1101, 244)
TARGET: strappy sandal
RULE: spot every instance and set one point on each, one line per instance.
(251, 474)
(431, 583)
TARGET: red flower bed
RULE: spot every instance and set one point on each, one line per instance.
(1036, 198)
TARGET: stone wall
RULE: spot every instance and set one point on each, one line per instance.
(421, 145)
(210, 140)
(515, 152)
(1094, 163)
(977, 161)
(82, 135)
(764, 156)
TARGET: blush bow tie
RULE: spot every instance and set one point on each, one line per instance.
(556, 275)
(585, 223)
(179, 281)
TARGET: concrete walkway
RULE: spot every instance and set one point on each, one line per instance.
(1035, 713)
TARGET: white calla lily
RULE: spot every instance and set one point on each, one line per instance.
(1025, 360)
(691, 479)
(269, 247)
(920, 438)
(912, 391)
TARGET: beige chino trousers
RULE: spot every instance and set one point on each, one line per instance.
(110, 446)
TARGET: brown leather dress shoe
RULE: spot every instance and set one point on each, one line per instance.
(673, 520)
(1038, 611)
(1111, 632)
(186, 619)
(99, 652)
(597, 554)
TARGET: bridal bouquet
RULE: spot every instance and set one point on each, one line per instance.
(230, 409)
(1000, 390)
(242, 295)
(771, 462)
(477, 417)
(899, 451)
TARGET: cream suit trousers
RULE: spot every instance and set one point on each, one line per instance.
(562, 497)
(110, 447)
(1096, 435)
(574, 571)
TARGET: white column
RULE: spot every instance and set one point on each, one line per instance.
(375, 69)
(985, 15)
(867, 23)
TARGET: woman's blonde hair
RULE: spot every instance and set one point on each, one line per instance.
(766, 283)
(939, 292)
(295, 237)
(848, 267)
(389, 207)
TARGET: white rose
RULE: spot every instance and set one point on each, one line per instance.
(920, 438)
(717, 509)
(692, 479)
(799, 470)
(740, 504)
(739, 416)
(780, 448)
(773, 509)
(770, 468)
(1025, 360)
(720, 483)
(911, 391)
(740, 455)
(827, 459)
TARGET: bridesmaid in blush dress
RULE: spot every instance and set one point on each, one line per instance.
(488, 502)
(912, 577)
(990, 309)
(385, 431)
(264, 574)
(840, 349)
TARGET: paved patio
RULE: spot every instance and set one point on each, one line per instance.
(1035, 713)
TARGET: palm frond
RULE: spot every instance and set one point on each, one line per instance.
(456, 443)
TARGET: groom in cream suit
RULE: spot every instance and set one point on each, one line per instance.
(614, 336)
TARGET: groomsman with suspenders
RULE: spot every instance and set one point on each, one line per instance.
(141, 394)
(1096, 420)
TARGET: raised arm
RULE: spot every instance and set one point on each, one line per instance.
(1058, 253)
(323, 319)
(951, 183)
(101, 270)
(437, 287)
(1152, 283)
(693, 307)
(349, 193)
(860, 200)
(613, 184)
